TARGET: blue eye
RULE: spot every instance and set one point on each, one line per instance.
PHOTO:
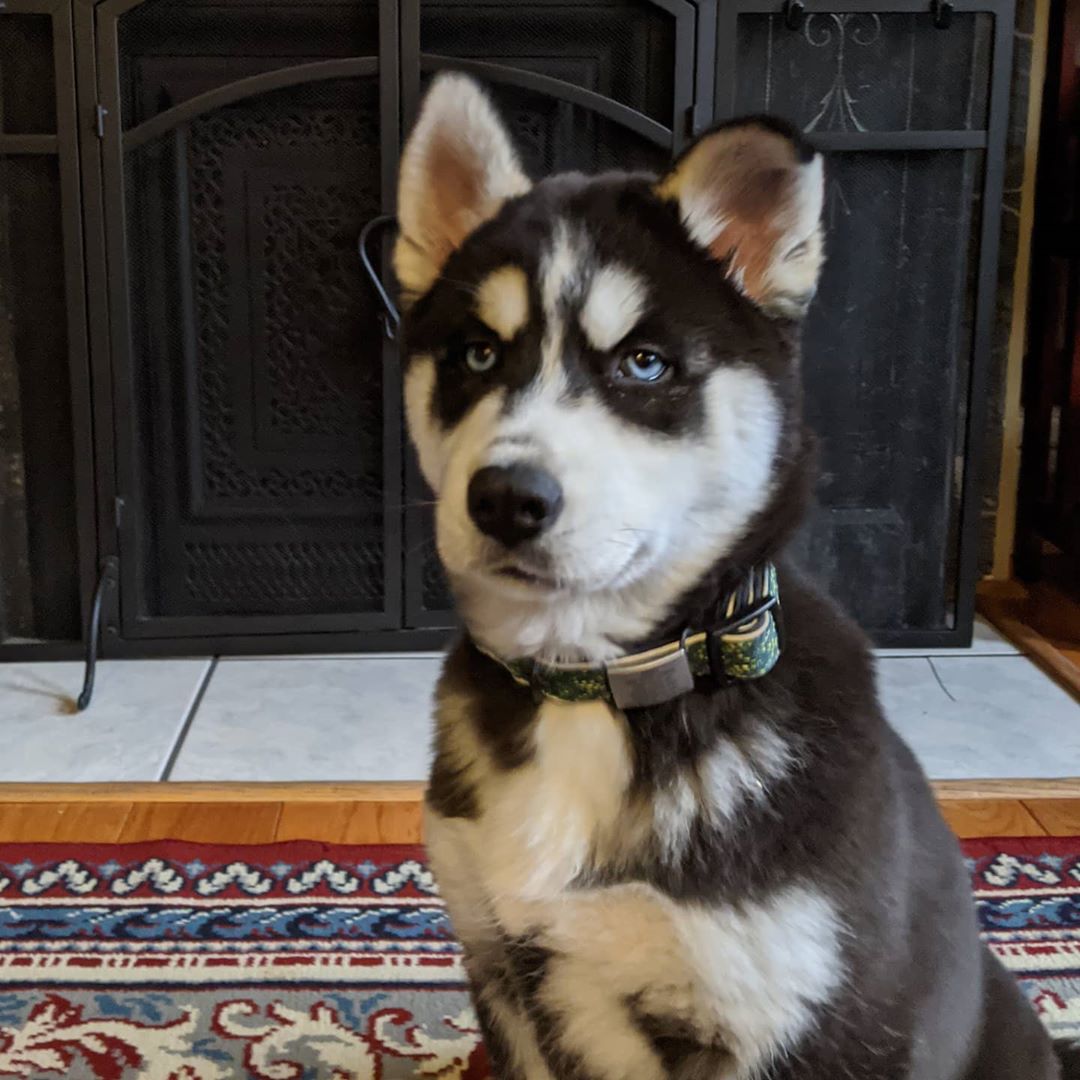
(643, 365)
(480, 356)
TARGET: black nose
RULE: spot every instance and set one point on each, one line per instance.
(514, 503)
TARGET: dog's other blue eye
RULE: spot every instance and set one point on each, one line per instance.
(480, 356)
(643, 365)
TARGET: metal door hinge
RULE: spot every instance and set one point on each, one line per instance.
(100, 112)
(794, 13)
(692, 122)
(941, 11)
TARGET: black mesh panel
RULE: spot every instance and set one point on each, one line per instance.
(624, 51)
(258, 356)
(39, 593)
(887, 355)
(27, 85)
(173, 51)
(866, 71)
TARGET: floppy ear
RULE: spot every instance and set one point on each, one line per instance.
(750, 193)
(457, 170)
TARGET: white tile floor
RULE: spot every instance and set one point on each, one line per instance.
(975, 713)
(137, 716)
(363, 718)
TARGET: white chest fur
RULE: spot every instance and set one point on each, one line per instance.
(748, 975)
(542, 822)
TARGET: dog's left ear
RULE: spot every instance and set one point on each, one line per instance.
(457, 170)
(751, 193)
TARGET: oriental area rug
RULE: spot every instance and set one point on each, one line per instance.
(307, 961)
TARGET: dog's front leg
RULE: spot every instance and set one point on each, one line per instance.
(509, 1036)
(584, 1024)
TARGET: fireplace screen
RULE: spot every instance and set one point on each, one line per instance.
(889, 338)
(257, 359)
(251, 477)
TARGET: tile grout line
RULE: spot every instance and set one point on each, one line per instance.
(937, 675)
(189, 719)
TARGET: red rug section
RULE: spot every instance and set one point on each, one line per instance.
(1066, 847)
(209, 962)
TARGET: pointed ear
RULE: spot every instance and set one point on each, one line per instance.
(457, 170)
(751, 193)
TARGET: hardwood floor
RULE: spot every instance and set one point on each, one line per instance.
(996, 817)
(211, 813)
(391, 813)
(1042, 621)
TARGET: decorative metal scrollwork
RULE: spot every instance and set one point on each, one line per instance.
(837, 105)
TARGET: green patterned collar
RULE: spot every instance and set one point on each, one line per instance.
(745, 646)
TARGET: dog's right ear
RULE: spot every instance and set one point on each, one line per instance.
(458, 169)
(750, 193)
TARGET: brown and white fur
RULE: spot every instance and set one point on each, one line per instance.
(752, 880)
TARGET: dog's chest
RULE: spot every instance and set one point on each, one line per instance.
(543, 823)
(748, 976)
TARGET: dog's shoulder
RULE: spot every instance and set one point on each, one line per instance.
(826, 659)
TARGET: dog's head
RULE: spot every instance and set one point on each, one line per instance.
(601, 372)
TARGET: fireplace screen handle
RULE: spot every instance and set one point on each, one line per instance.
(107, 582)
(391, 317)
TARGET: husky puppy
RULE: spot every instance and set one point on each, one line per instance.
(675, 841)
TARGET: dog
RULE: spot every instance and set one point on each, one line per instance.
(675, 834)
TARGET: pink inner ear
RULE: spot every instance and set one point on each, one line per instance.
(762, 192)
(456, 188)
(752, 230)
(749, 250)
(748, 175)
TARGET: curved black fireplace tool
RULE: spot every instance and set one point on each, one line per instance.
(391, 317)
(110, 569)
(110, 573)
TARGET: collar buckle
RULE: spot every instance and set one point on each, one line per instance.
(650, 679)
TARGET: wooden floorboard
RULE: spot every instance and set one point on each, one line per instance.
(30, 824)
(352, 822)
(91, 823)
(1065, 788)
(216, 823)
(98, 823)
(219, 792)
(392, 814)
(1042, 622)
(396, 823)
(412, 791)
(971, 818)
(1060, 817)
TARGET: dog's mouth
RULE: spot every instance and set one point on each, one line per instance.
(527, 576)
(542, 577)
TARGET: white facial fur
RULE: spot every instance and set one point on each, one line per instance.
(644, 514)
(614, 304)
(502, 301)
